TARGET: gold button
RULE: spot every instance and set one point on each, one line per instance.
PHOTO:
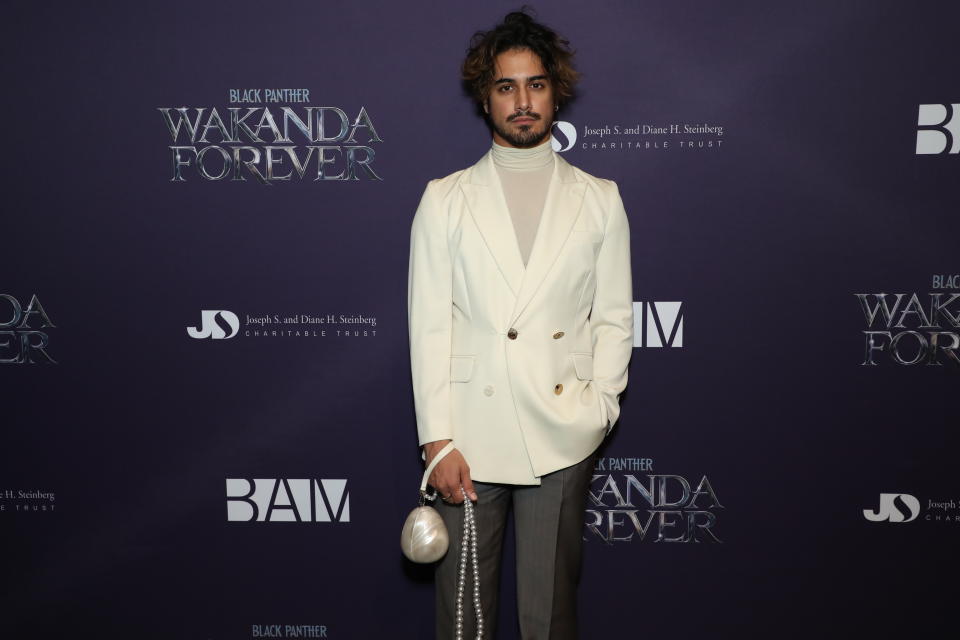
(558, 389)
(512, 334)
(558, 335)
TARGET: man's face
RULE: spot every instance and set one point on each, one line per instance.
(520, 105)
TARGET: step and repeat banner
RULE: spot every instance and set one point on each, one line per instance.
(208, 427)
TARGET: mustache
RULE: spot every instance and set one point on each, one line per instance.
(525, 114)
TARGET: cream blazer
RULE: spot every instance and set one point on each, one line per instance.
(520, 366)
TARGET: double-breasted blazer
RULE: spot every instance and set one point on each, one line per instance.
(521, 366)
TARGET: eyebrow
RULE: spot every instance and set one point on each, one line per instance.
(530, 79)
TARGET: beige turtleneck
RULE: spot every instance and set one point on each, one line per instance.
(525, 175)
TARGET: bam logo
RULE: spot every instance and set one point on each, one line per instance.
(210, 328)
(283, 500)
(657, 324)
(894, 507)
(938, 129)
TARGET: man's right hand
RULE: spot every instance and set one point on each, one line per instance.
(451, 472)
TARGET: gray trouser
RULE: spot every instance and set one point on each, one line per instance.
(548, 519)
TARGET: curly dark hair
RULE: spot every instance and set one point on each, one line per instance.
(518, 31)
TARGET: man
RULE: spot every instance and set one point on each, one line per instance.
(521, 330)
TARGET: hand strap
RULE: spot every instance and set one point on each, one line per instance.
(426, 474)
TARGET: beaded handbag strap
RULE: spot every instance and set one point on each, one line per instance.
(468, 555)
(468, 548)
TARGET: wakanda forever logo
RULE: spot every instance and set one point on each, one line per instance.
(256, 142)
(624, 507)
(22, 336)
(913, 328)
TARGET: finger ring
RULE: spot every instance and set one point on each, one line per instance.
(445, 497)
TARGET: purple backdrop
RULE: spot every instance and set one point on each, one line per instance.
(767, 155)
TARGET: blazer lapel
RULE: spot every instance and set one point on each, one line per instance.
(488, 207)
(560, 211)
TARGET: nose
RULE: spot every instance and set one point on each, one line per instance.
(523, 99)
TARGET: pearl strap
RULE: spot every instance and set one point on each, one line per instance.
(468, 542)
(468, 539)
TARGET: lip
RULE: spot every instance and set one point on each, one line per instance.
(523, 120)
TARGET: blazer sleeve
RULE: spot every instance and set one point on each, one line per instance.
(611, 319)
(429, 318)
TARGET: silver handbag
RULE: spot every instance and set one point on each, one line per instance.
(424, 537)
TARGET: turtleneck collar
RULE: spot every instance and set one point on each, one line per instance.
(530, 159)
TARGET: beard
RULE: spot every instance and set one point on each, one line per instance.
(524, 136)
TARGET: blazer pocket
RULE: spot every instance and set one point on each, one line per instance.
(461, 368)
(583, 363)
